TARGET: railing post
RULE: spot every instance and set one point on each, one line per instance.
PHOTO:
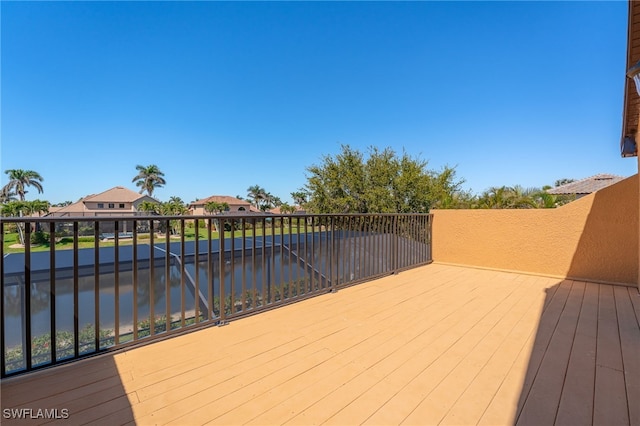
(221, 261)
(2, 350)
(52, 290)
(152, 281)
(429, 237)
(395, 229)
(27, 294)
(116, 282)
(134, 265)
(183, 283)
(334, 255)
(96, 281)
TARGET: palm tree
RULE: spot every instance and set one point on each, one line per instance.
(6, 196)
(300, 197)
(522, 198)
(494, 198)
(17, 209)
(255, 194)
(149, 178)
(19, 179)
(148, 207)
(174, 207)
(39, 206)
(286, 208)
(269, 201)
(215, 207)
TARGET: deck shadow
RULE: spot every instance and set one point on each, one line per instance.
(86, 391)
(582, 368)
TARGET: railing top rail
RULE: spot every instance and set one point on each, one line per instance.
(47, 219)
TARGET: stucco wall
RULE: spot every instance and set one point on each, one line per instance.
(593, 238)
(200, 211)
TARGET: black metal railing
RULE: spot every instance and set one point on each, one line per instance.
(72, 287)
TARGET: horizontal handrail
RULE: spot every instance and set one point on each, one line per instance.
(69, 294)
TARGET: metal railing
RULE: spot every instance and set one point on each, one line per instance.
(87, 286)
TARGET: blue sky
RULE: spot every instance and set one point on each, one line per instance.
(225, 95)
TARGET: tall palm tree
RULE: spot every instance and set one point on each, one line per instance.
(19, 179)
(255, 194)
(149, 178)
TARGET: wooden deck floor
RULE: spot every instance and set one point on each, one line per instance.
(433, 345)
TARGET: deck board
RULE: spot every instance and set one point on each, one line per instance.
(610, 405)
(436, 344)
(554, 361)
(576, 402)
(630, 345)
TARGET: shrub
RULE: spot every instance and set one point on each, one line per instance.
(39, 238)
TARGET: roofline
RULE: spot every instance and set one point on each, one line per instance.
(631, 102)
(627, 80)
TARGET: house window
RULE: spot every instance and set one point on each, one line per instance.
(112, 206)
(101, 205)
(121, 205)
(241, 209)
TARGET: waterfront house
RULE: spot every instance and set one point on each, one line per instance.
(117, 201)
(197, 208)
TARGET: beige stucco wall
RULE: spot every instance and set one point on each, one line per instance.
(593, 238)
(91, 206)
(199, 210)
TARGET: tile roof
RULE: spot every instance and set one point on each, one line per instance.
(232, 201)
(587, 185)
(77, 207)
(115, 194)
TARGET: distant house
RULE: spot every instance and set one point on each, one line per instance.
(197, 208)
(117, 201)
(586, 186)
(299, 210)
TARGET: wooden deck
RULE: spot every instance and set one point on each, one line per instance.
(433, 345)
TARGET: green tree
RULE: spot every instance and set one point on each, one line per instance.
(300, 197)
(507, 197)
(382, 182)
(149, 178)
(255, 195)
(149, 207)
(17, 209)
(546, 200)
(40, 206)
(20, 179)
(174, 207)
(215, 207)
(286, 208)
(7, 195)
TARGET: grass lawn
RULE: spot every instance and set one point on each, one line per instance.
(66, 243)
